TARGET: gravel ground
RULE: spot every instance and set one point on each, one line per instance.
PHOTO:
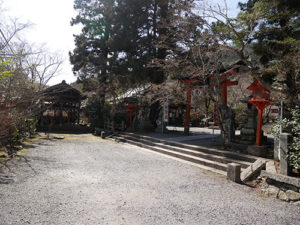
(85, 180)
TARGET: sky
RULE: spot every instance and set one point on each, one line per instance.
(51, 26)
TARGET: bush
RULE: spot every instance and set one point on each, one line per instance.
(96, 113)
(241, 116)
(119, 117)
(292, 126)
(294, 152)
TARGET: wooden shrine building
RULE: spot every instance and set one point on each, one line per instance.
(60, 104)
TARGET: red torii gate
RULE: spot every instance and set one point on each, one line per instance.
(223, 83)
(131, 106)
(189, 82)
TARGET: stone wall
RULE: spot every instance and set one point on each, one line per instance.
(282, 187)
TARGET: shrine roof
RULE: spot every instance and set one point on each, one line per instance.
(221, 70)
(62, 92)
(259, 83)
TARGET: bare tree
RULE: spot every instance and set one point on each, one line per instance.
(24, 72)
(42, 66)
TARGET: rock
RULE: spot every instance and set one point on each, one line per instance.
(264, 185)
(282, 196)
(58, 137)
(103, 134)
(271, 191)
(19, 147)
(281, 178)
(292, 195)
(297, 203)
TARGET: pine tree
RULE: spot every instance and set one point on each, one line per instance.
(278, 43)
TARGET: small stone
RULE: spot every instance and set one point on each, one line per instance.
(103, 134)
(59, 137)
(297, 203)
(292, 195)
(264, 184)
(271, 191)
(282, 196)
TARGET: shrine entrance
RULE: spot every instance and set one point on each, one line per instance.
(218, 81)
(190, 84)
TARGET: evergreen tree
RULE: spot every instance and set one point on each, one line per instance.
(278, 43)
(119, 41)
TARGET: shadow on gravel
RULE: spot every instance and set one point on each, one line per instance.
(73, 129)
(6, 167)
(27, 162)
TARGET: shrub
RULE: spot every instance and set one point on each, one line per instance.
(241, 116)
(294, 152)
(292, 126)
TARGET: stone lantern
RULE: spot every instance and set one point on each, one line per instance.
(261, 99)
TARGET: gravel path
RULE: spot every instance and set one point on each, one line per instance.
(85, 180)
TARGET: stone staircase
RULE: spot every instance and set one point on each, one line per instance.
(211, 159)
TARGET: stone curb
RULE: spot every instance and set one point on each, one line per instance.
(282, 178)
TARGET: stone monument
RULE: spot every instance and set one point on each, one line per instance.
(248, 132)
(228, 124)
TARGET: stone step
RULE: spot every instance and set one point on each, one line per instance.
(213, 166)
(207, 158)
(215, 152)
(186, 151)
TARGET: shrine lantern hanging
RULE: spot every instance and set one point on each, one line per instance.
(131, 106)
(261, 99)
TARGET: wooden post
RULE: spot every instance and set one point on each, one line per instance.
(261, 101)
(259, 126)
(224, 94)
(78, 113)
(216, 119)
(224, 84)
(130, 124)
(188, 111)
(188, 83)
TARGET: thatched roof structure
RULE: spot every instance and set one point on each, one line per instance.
(62, 93)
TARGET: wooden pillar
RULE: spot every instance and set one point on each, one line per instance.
(259, 126)
(188, 111)
(216, 117)
(78, 113)
(130, 117)
(224, 94)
